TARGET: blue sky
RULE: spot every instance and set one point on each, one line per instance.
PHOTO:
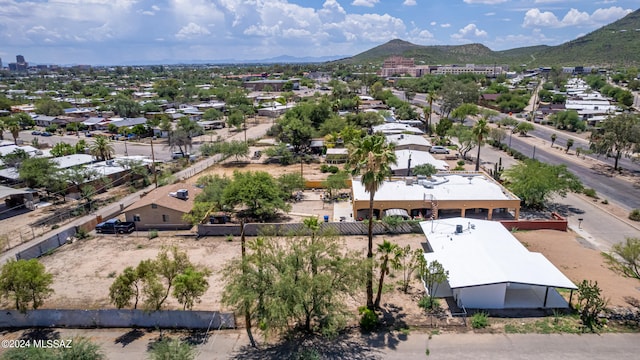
(125, 31)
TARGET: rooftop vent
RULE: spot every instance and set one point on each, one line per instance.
(458, 229)
(182, 194)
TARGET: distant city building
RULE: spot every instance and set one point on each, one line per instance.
(19, 65)
(401, 66)
(398, 66)
(0, 63)
(489, 70)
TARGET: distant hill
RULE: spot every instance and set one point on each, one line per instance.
(613, 45)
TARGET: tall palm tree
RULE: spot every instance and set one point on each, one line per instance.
(14, 127)
(389, 259)
(480, 131)
(371, 158)
(101, 148)
(431, 95)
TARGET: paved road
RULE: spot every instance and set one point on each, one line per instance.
(612, 188)
(598, 227)
(232, 345)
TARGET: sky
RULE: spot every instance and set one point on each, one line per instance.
(120, 32)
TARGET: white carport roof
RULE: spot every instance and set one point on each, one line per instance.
(486, 253)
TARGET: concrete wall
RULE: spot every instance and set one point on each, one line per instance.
(114, 318)
(482, 297)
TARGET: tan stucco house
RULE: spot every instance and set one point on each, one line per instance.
(163, 208)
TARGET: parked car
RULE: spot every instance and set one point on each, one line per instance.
(179, 155)
(115, 226)
(45, 134)
(36, 132)
(439, 150)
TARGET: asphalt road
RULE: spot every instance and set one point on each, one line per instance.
(391, 346)
(611, 188)
(544, 133)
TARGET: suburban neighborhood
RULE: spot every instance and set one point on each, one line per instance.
(379, 208)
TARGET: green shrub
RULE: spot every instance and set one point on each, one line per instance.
(428, 303)
(333, 169)
(460, 163)
(590, 193)
(82, 234)
(324, 168)
(635, 215)
(480, 320)
(153, 234)
(369, 318)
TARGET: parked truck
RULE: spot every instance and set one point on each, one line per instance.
(115, 226)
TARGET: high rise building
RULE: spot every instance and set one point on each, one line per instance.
(0, 63)
(21, 64)
(20, 59)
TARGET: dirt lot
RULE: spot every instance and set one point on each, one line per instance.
(84, 270)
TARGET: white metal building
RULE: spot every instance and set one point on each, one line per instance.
(490, 269)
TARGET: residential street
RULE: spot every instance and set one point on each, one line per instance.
(232, 344)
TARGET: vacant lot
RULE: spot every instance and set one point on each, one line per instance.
(84, 270)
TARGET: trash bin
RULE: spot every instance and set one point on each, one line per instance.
(326, 218)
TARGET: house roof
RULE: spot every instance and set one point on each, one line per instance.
(396, 128)
(445, 186)
(417, 158)
(484, 253)
(407, 139)
(161, 197)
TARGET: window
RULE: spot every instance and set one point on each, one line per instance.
(136, 217)
(154, 206)
(165, 218)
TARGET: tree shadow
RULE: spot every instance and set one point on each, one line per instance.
(129, 337)
(344, 346)
(40, 334)
(195, 337)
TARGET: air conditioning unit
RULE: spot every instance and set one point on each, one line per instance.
(182, 194)
(109, 162)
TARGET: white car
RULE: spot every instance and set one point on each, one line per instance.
(439, 150)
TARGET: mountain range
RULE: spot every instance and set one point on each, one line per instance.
(613, 45)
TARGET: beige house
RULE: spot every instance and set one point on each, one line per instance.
(445, 195)
(163, 208)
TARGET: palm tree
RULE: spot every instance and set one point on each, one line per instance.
(101, 148)
(480, 131)
(389, 259)
(14, 127)
(431, 95)
(371, 158)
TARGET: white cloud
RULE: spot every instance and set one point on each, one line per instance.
(490, 14)
(445, 25)
(467, 31)
(409, 3)
(433, 23)
(191, 31)
(367, 3)
(536, 18)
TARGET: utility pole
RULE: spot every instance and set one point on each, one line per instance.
(153, 165)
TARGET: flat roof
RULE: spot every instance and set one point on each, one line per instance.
(417, 158)
(487, 253)
(395, 128)
(407, 139)
(72, 160)
(474, 186)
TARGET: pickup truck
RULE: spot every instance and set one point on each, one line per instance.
(115, 226)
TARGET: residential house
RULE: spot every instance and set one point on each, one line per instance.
(446, 194)
(488, 268)
(163, 208)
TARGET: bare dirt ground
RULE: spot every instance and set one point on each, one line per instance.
(84, 270)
